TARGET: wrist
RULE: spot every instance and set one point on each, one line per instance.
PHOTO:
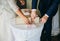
(45, 17)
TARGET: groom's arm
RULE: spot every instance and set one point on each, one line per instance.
(33, 14)
(34, 4)
(51, 11)
(53, 8)
(15, 8)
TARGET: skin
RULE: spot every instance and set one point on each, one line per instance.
(33, 15)
(22, 2)
(19, 12)
(26, 20)
(42, 20)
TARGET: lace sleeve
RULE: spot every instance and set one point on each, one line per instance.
(13, 5)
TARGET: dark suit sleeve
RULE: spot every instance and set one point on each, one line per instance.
(53, 8)
(34, 4)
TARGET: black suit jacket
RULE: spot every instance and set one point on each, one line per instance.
(48, 7)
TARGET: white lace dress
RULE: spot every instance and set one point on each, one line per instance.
(7, 12)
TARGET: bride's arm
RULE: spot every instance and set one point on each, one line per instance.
(14, 7)
(17, 10)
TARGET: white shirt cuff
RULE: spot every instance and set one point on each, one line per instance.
(46, 15)
(33, 10)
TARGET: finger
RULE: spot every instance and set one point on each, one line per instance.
(27, 23)
(35, 16)
(32, 20)
(41, 21)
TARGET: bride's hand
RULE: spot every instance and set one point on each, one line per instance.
(26, 20)
(22, 2)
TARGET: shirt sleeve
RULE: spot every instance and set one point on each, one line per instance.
(46, 15)
(33, 10)
(13, 5)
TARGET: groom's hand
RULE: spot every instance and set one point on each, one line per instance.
(22, 2)
(44, 19)
(33, 14)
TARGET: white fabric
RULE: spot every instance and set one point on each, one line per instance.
(23, 32)
(27, 32)
(5, 32)
(13, 5)
(6, 14)
(19, 20)
(34, 9)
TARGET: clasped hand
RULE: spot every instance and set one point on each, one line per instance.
(42, 20)
(33, 16)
